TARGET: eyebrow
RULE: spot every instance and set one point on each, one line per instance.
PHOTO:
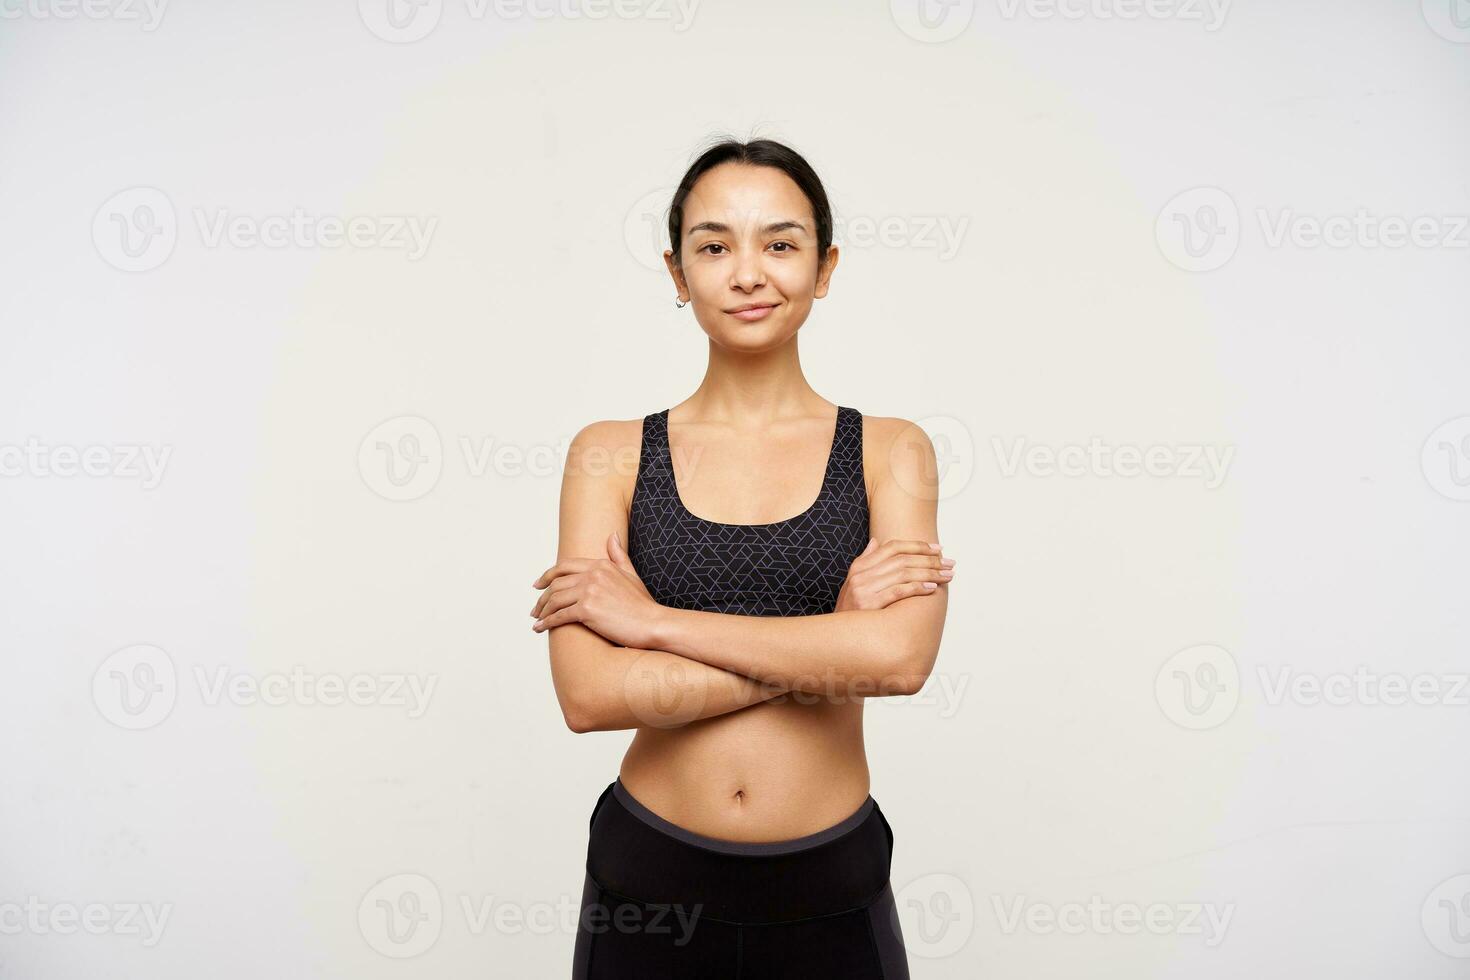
(720, 228)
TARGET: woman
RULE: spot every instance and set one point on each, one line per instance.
(779, 570)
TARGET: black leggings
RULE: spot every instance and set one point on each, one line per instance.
(663, 903)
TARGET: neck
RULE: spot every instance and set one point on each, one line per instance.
(754, 388)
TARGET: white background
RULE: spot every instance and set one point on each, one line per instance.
(1056, 757)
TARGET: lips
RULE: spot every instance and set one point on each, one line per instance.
(751, 311)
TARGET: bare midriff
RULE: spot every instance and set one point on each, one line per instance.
(775, 771)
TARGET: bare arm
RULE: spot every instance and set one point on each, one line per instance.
(599, 685)
(864, 651)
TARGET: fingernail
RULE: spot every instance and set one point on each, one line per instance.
(947, 562)
(934, 545)
(945, 573)
(536, 625)
(930, 585)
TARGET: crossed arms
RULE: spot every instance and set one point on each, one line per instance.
(619, 659)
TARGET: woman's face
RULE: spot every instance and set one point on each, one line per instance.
(749, 238)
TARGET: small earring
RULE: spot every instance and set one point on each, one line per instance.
(680, 303)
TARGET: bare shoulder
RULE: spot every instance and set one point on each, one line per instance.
(609, 434)
(606, 450)
(598, 480)
(895, 450)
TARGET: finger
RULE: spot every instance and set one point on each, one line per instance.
(904, 547)
(909, 575)
(563, 567)
(557, 598)
(888, 568)
(559, 618)
(924, 561)
(923, 573)
(551, 622)
(558, 584)
(893, 594)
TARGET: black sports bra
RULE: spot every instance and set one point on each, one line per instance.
(793, 567)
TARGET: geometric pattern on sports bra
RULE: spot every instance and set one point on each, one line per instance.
(793, 567)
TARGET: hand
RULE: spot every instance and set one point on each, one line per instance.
(894, 570)
(604, 594)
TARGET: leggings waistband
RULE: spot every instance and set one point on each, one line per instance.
(634, 853)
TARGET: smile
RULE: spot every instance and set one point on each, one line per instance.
(758, 313)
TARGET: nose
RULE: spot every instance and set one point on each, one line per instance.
(748, 273)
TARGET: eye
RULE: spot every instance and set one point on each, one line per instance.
(711, 245)
(789, 247)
